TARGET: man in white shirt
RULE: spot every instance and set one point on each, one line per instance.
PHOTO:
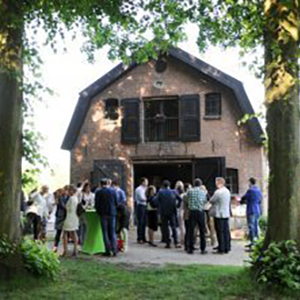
(141, 210)
(221, 212)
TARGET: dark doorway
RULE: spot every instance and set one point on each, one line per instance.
(207, 169)
(157, 172)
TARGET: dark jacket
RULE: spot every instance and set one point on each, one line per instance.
(168, 201)
(106, 202)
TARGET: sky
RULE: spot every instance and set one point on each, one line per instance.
(68, 73)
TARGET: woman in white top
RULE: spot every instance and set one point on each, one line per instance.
(71, 222)
(87, 199)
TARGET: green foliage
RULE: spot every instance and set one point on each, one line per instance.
(263, 225)
(39, 260)
(278, 265)
(6, 248)
(30, 179)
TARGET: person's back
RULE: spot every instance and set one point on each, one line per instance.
(121, 195)
(106, 202)
(196, 199)
(167, 201)
(106, 207)
(253, 197)
(223, 198)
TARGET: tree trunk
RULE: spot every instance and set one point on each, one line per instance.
(283, 119)
(10, 119)
(11, 32)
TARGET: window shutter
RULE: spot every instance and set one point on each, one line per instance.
(189, 118)
(131, 121)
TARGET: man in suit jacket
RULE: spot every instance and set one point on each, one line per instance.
(168, 201)
(106, 206)
(221, 212)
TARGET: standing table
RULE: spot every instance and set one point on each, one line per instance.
(93, 243)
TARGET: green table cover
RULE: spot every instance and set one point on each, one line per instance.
(93, 243)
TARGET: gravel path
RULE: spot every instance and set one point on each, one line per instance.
(146, 255)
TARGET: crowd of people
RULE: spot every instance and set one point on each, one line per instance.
(182, 214)
(70, 204)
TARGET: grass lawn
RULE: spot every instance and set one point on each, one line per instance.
(91, 279)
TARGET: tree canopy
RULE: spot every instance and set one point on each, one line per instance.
(139, 29)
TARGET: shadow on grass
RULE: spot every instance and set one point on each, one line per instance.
(90, 279)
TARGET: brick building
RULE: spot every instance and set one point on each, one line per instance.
(174, 118)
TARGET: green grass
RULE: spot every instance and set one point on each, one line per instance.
(91, 279)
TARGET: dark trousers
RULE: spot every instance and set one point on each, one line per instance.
(57, 237)
(196, 217)
(186, 235)
(166, 222)
(223, 234)
(35, 220)
(141, 215)
(108, 224)
(82, 230)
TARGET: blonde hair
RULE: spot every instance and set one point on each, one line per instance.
(179, 186)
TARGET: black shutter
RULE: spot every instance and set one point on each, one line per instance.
(131, 121)
(189, 118)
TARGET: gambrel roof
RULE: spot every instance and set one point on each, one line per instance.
(86, 96)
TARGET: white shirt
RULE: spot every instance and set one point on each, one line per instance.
(140, 195)
(39, 205)
(89, 199)
(49, 198)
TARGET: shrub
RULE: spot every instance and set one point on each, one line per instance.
(39, 260)
(278, 264)
(263, 223)
(6, 248)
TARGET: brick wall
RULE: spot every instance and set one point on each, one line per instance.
(100, 137)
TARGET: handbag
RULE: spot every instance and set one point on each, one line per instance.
(80, 210)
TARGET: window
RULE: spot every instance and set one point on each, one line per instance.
(213, 106)
(232, 180)
(161, 120)
(111, 109)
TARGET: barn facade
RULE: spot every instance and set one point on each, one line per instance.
(173, 118)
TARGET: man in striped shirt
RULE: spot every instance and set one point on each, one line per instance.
(196, 202)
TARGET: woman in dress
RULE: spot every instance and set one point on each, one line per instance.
(179, 187)
(71, 222)
(152, 218)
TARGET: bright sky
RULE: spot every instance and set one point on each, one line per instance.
(69, 73)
